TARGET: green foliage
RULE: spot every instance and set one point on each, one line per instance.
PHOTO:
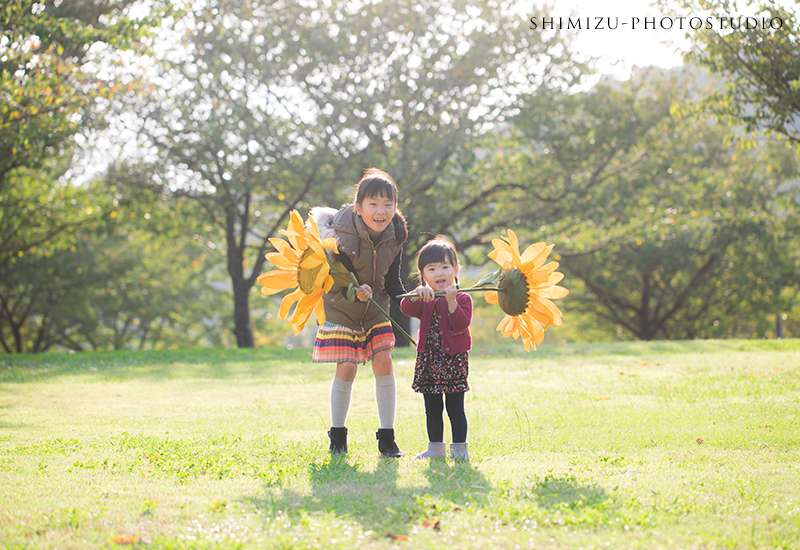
(58, 73)
(673, 232)
(40, 213)
(759, 64)
(119, 283)
(264, 113)
(50, 84)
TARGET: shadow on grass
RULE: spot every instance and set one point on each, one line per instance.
(554, 493)
(374, 500)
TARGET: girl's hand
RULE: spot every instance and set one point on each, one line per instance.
(364, 293)
(450, 295)
(425, 292)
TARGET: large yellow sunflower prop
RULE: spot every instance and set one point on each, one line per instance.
(525, 286)
(303, 265)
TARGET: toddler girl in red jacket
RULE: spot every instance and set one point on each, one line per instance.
(442, 365)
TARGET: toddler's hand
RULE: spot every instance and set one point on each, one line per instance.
(450, 295)
(425, 292)
(364, 293)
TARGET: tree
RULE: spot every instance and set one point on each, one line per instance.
(757, 59)
(414, 87)
(667, 231)
(273, 107)
(126, 282)
(230, 134)
(53, 85)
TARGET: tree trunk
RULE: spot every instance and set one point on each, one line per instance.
(779, 327)
(241, 314)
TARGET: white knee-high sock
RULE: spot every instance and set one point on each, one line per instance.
(341, 391)
(386, 399)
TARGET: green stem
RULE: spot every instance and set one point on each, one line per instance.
(441, 292)
(398, 327)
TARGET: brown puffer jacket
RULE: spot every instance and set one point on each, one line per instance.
(370, 262)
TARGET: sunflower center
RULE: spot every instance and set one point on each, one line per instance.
(513, 295)
(307, 277)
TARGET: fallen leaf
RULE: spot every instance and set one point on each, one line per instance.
(776, 367)
(643, 364)
(398, 537)
(124, 540)
(603, 398)
(433, 523)
(622, 373)
(699, 440)
(222, 355)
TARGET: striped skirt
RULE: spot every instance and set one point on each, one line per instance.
(337, 343)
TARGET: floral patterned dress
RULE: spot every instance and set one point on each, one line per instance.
(436, 371)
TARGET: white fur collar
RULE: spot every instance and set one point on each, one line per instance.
(323, 217)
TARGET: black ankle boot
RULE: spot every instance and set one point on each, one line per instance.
(386, 443)
(338, 437)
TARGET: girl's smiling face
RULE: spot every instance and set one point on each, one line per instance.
(377, 212)
(439, 275)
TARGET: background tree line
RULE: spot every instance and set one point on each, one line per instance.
(668, 223)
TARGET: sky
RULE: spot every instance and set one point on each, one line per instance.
(627, 45)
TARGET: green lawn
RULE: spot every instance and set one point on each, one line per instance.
(620, 445)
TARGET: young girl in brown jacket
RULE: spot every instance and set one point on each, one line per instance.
(370, 234)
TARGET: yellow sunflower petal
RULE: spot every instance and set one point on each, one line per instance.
(327, 284)
(554, 278)
(296, 222)
(540, 275)
(316, 246)
(275, 281)
(503, 254)
(305, 307)
(506, 326)
(281, 261)
(547, 310)
(534, 331)
(538, 257)
(553, 292)
(329, 243)
(319, 312)
(288, 301)
(512, 238)
(542, 317)
(281, 246)
(312, 228)
(312, 261)
(491, 297)
(533, 251)
(322, 275)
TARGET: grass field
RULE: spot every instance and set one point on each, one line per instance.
(619, 445)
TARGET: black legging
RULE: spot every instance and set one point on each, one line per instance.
(455, 411)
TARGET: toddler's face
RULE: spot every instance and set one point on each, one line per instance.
(439, 275)
(377, 212)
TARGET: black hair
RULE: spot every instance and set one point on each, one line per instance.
(375, 183)
(436, 250)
